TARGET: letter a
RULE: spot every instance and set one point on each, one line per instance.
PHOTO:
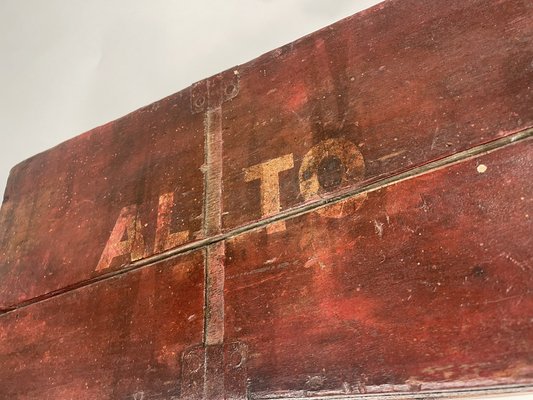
(129, 224)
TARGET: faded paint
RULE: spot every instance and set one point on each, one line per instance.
(126, 239)
(268, 174)
(336, 160)
(164, 239)
(422, 254)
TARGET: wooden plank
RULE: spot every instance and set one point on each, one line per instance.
(421, 285)
(391, 88)
(118, 193)
(387, 90)
(123, 338)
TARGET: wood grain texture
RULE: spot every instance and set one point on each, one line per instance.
(285, 228)
(423, 284)
(61, 206)
(118, 339)
(389, 89)
(404, 83)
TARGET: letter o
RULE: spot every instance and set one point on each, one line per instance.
(354, 170)
(348, 154)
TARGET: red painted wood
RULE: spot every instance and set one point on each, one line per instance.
(407, 82)
(61, 206)
(427, 284)
(119, 339)
(394, 87)
(423, 284)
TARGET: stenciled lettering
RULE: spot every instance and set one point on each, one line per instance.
(127, 239)
(268, 175)
(328, 165)
(337, 161)
(341, 161)
(164, 239)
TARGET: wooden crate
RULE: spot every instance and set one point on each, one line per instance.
(346, 216)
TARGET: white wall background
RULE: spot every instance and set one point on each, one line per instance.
(68, 66)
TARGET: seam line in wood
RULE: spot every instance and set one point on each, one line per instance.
(444, 162)
(422, 395)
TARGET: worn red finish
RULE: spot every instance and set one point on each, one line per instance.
(122, 338)
(386, 90)
(426, 285)
(348, 214)
(61, 206)
(406, 83)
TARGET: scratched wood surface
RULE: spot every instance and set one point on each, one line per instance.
(370, 96)
(425, 284)
(414, 117)
(61, 207)
(384, 91)
(119, 339)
